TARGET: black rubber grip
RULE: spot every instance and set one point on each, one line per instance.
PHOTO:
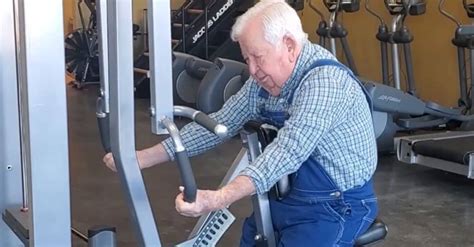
(207, 122)
(187, 176)
(104, 131)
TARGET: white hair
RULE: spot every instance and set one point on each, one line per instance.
(278, 19)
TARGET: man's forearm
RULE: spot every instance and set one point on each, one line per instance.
(237, 189)
(153, 156)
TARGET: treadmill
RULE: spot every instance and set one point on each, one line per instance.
(451, 151)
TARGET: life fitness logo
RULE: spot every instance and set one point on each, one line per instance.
(213, 20)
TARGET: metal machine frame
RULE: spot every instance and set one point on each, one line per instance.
(33, 123)
(406, 154)
(405, 150)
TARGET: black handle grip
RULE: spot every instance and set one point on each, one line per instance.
(187, 176)
(104, 132)
(207, 122)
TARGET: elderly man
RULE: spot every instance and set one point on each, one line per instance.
(325, 140)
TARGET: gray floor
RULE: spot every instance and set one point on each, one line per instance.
(421, 206)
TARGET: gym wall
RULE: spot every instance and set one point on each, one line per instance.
(434, 56)
(68, 6)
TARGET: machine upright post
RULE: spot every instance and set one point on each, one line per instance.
(122, 115)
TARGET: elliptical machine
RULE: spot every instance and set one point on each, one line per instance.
(396, 110)
(451, 151)
(328, 32)
(463, 40)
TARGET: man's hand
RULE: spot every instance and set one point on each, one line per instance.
(212, 200)
(109, 162)
(206, 201)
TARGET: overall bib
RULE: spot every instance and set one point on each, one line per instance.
(315, 212)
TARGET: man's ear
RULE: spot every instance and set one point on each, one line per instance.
(290, 44)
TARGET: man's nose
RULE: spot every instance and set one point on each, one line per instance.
(253, 68)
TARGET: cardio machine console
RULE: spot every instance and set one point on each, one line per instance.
(344, 5)
(469, 7)
(414, 7)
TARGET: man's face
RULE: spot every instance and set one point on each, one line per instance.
(270, 65)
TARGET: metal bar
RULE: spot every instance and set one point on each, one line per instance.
(462, 75)
(332, 40)
(122, 116)
(10, 153)
(79, 234)
(409, 67)
(384, 54)
(395, 56)
(22, 107)
(145, 30)
(206, 30)
(471, 95)
(161, 79)
(48, 173)
(349, 57)
(103, 53)
(183, 30)
(261, 205)
(471, 166)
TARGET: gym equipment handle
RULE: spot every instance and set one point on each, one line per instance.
(202, 119)
(184, 165)
(104, 128)
(187, 176)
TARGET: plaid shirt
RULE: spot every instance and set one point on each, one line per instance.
(330, 120)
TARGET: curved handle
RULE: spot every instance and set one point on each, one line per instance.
(367, 7)
(315, 9)
(202, 119)
(210, 124)
(187, 177)
(448, 15)
(184, 165)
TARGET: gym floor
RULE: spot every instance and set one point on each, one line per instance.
(421, 206)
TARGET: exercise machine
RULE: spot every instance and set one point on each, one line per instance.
(47, 172)
(210, 227)
(34, 174)
(197, 83)
(394, 109)
(333, 30)
(449, 151)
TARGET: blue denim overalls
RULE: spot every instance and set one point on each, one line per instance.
(315, 212)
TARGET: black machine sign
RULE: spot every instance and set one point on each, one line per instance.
(214, 18)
